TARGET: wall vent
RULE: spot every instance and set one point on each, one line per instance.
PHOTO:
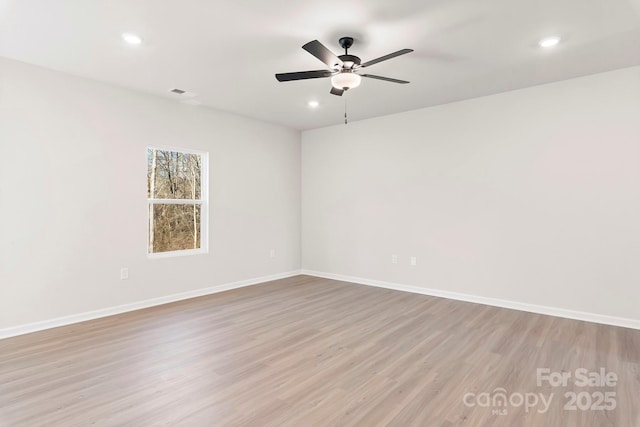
(181, 93)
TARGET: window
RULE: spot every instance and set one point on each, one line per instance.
(177, 198)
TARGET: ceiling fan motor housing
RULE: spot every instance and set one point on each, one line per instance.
(349, 61)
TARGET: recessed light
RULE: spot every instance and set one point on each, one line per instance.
(549, 41)
(132, 38)
(313, 104)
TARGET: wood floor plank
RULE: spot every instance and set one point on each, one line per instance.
(305, 351)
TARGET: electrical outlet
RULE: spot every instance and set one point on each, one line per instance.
(124, 273)
(394, 259)
(414, 260)
(272, 253)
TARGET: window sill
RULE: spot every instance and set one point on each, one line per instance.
(172, 254)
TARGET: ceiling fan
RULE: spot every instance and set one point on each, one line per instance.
(343, 69)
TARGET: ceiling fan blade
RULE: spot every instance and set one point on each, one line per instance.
(386, 79)
(320, 51)
(336, 91)
(303, 75)
(384, 58)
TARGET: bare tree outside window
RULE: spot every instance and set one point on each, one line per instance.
(176, 199)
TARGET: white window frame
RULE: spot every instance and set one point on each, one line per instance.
(203, 202)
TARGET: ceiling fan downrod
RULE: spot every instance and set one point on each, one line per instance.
(346, 43)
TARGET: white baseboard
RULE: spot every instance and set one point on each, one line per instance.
(551, 311)
(514, 305)
(110, 311)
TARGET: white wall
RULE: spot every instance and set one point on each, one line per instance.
(73, 195)
(529, 196)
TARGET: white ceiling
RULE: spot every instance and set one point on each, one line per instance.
(228, 52)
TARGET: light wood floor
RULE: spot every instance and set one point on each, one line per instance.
(311, 352)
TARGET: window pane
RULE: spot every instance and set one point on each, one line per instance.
(173, 175)
(174, 227)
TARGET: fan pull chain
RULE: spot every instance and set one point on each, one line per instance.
(345, 110)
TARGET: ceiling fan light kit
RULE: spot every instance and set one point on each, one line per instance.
(346, 80)
(343, 69)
